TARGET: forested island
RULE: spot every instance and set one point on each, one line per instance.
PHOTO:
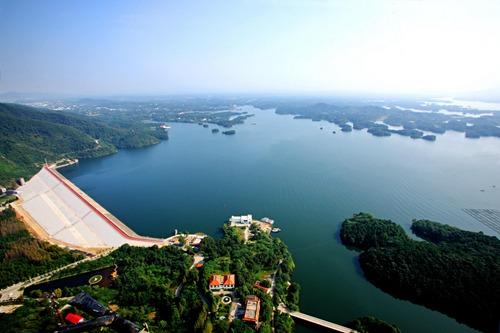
(165, 289)
(452, 271)
(405, 121)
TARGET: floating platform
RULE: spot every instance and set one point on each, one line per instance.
(488, 217)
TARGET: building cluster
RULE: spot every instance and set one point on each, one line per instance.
(245, 221)
(222, 282)
(219, 282)
(241, 221)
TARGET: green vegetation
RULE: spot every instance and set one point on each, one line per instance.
(372, 325)
(363, 231)
(158, 286)
(22, 256)
(6, 199)
(453, 271)
(29, 136)
(29, 318)
(248, 261)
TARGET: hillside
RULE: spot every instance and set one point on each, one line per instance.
(29, 136)
(22, 256)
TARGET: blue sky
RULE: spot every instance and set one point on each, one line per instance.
(275, 46)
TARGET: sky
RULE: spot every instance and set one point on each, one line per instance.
(250, 46)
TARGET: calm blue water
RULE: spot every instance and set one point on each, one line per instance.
(308, 180)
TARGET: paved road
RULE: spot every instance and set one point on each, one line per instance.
(15, 291)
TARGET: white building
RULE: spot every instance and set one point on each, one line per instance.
(243, 220)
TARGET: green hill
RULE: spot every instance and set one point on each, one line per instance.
(449, 270)
(29, 136)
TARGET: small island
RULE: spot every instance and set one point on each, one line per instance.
(452, 271)
(229, 132)
(215, 130)
(406, 119)
(429, 137)
(346, 128)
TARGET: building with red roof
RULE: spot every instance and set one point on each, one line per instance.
(261, 287)
(73, 318)
(222, 282)
(252, 309)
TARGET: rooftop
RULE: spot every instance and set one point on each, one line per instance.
(252, 309)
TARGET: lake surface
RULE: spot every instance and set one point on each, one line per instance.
(309, 180)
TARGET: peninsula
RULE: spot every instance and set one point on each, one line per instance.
(452, 271)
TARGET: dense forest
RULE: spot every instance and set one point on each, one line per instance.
(453, 271)
(29, 136)
(22, 256)
(160, 287)
(372, 325)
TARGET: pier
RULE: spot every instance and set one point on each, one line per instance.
(316, 321)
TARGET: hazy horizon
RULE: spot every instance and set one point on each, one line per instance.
(306, 47)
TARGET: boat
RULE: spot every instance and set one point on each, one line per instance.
(275, 230)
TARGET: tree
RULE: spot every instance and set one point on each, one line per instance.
(208, 327)
(58, 292)
(283, 323)
(265, 328)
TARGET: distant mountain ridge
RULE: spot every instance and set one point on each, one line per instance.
(29, 136)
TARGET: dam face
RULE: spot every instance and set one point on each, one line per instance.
(64, 214)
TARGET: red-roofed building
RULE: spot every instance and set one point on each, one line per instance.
(252, 309)
(261, 287)
(222, 282)
(73, 318)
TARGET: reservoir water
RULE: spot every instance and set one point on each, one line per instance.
(309, 180)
